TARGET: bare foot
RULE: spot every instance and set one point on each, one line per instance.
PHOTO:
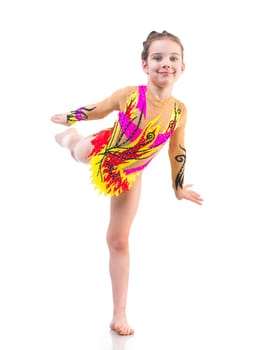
(60, 138)
(121, 326)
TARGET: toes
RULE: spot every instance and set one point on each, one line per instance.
(125, 331)
(122, 330)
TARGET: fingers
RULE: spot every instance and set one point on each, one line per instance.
(55, 118)
(196, 198)
(59, 119)
(198, 201)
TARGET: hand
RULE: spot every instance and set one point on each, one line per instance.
(60, 119)
(185, 193)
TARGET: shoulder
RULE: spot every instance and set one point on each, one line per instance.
(121, 95)
(181, 106)
(182, 112)
(125, 91)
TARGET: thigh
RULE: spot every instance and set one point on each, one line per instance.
(124, 207)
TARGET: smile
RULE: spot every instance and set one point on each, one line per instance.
(166, 73)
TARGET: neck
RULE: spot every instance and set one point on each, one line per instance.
(162, 93)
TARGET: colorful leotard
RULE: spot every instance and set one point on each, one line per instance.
(143, 126)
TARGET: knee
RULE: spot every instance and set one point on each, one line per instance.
(117, 243)
(79, 153)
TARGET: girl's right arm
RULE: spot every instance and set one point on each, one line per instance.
(93, 111)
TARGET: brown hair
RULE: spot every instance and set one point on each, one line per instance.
(159, 36)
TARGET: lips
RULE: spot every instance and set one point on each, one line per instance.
(166, 73)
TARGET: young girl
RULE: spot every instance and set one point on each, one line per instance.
(148, 116)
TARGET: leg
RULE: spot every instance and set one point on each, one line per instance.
(80, 147)
(123, 210)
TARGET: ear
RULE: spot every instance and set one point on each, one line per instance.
(144, 66)
(183, 67)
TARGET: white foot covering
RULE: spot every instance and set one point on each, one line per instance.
(63, 138)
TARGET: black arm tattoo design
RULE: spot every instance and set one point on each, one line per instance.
(78, 115)
(180, 158)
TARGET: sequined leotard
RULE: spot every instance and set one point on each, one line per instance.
(143, 126)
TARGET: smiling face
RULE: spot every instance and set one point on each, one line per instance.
(164, 64)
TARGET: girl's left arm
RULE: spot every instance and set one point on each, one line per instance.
(177, 156)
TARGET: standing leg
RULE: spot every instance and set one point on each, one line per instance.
(123, 210)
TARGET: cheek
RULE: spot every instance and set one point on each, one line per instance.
(153, 67)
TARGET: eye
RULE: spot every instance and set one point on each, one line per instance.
(174, 58)
(157, 58)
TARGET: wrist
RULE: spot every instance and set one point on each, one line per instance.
(179, 193)
(76, 116)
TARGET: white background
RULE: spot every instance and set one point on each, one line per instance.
(201, 277)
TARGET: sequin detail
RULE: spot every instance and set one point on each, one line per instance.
(117, 151)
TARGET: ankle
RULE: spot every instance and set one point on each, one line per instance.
(119, 312)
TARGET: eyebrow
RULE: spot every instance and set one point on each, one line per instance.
(160, 53)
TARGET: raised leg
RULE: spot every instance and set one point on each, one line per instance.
(79, 146)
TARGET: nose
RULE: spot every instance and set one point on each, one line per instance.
(166, 65)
